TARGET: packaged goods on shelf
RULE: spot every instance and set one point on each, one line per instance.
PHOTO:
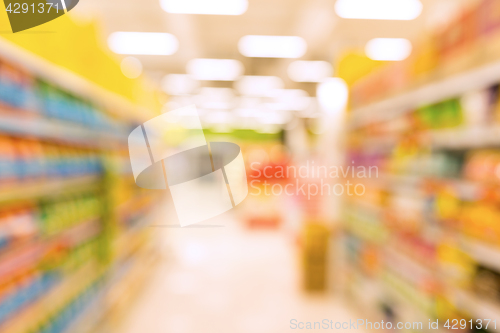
(15, 87)
(425, 237)
(466, 43)
(71, 216)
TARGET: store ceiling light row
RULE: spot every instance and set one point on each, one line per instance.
(253, 46)
(222, 107)
(231, 70)
(227, 99)
(157, 43)
(262, 98)
(349, 9)
(258, 46)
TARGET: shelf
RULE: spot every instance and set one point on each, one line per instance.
(78, 233)
(478, 308)
(128, 274)
(57, 297)
(125, 281)
(453, 139)
(403, 299)
(485, 254)
(479, 78)
(466, 138)
(125, 243)
(18, 258)
(466, 188)
(43, 188)
(73, 83)
(51, 129)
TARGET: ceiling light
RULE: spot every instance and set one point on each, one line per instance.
(216, 98)
(378, 9)
(332, 94)
(179, 84)
(208, 7)
(309, 71)
(215, 69)
(289, 100)
(143, 43)
(247, 102)
(388, 49)
(254, 85)
(272, 46)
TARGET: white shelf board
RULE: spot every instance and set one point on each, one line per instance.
(52, 129)
(479, 78)
(485, 254)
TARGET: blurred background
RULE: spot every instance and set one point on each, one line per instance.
(370, 131)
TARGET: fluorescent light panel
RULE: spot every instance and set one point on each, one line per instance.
(289, 100)
(143, 43)
(215, 69)
(309, 71)
(216, 98)
(272, 46)
(388, 49)
(206, 7)
(379, 9)
(259, 86)
(179, 84)
(275, 118)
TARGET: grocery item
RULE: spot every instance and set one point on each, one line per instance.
(63, 233)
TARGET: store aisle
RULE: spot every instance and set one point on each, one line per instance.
(227, 279)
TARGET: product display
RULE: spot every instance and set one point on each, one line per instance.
(465, 43)
(425, 238)
(69, 209)
(246, 166)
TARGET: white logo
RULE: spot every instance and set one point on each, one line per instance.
(205, 179)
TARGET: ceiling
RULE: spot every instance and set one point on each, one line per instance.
(209, 36)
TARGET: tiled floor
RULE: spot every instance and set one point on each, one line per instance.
(227, 279)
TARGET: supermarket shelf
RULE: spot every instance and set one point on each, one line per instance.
(125, 243)
(80, 232)
(466, 138)
(416, 181)
(70, 287)
(117, 104)
(404, 301)
(468, 65)
(487, 255)
(18, 258)
(409, 186)
(128, 274)
(479, 308)
(453, 138)
(36, 189)
(51, 129)
(125, 275)
(475, 79)
(384, 144)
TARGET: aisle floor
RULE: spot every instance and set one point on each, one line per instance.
(217, 279)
